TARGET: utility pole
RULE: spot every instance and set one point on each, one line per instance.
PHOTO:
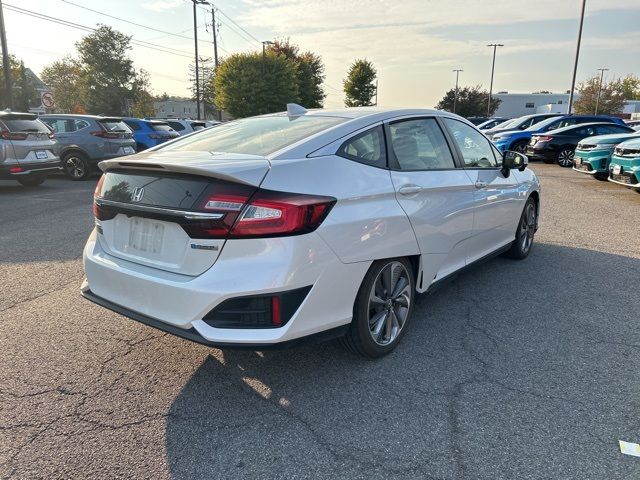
(264, 43)
(601, 70)
(195, 42)
(214, 27)
(6, 65)
(575, 65)
(455, 95)
(493, 66)
(376, 104)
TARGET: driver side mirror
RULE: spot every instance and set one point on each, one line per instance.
(511, 159)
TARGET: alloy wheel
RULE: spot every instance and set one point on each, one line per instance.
(389, 302)
(520, 147)
(565, 158)
(527, 227)
(75, 167)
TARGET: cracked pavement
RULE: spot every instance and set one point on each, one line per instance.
(513, 370)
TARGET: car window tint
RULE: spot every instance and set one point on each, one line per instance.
(177, 126)
(420, 145)
(475, 147)
(132, 125)
(160, 127)
(80, 124)
(584, 131)
(366, 147)
(61, 125)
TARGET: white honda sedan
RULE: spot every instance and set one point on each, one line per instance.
(271, 229)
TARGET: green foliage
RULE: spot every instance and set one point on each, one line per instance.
(359, 86)
(142, 99)
(64, 77)
(630, 87)
(611, 97)
(472, 102)
(246, 84)
(23, 91)
(310, 72)
(107, 70)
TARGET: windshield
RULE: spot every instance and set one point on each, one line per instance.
(544, 123)
(255, 136)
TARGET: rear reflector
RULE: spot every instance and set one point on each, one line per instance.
(16, 170)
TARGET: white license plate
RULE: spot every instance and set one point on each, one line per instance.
(617, 169)
(145, 236)
(578, 160)
(128, 150)
(41, 155)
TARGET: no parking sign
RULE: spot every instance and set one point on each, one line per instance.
(46, 99)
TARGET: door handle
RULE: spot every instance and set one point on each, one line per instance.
(409, 189)
(481, 184)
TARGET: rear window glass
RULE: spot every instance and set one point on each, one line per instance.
(177, 126)
(132, 125)
(113, 126)
(19, 125)
(256, 136)
(161, 127)
(197, 125)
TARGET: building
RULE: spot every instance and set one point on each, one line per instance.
(518, 104)
(184, 108)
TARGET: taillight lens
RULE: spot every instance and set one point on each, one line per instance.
(96, 194)
(103, 134)
(7, 135)
(544, 138)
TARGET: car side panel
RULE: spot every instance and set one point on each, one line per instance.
(367, 222)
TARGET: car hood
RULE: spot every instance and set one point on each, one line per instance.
(631, 144)
(508, 133)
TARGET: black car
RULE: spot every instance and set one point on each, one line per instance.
(558, 145)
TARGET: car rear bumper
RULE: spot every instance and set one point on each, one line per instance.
(178, 303)
(540, 154)
(29, 168)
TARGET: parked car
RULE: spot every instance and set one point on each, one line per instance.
(184, 126)
(27, 149)
(149, 133)
(559, 145)
(593, 154)
(85, 140)
(492, 123)
(259, 252)
(518, 140)
(211, 123)
(624, 168)
(633, 123)
(520, 123)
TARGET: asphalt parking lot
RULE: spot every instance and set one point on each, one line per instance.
(513, 370)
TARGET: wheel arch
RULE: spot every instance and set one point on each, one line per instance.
(73, 149)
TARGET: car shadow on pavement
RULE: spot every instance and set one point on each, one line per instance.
(512, 370)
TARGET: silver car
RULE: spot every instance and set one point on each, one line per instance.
(27, 149)
(85, 140)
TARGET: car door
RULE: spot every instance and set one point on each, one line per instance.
(497, 200)
(436, 195)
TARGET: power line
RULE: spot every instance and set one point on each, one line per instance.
(140, 43)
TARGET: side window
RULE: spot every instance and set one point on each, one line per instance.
(566, 122)
(57, 125)
(80, 124)
(366, 147)
(420, 145)
(585, 131)
(475, 147)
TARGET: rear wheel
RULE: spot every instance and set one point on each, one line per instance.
(382, 308)
(565, 157)
(521, 246)
(75, 165)
(520, 147)
(32, 180)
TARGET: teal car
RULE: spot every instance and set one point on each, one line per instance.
(624, 168)
(593, 154)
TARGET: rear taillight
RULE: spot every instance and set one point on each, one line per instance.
(7, 135)
(96, 194)
(103, 134)
(544, 138)
(51, 135)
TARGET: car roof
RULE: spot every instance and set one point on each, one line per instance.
(580, 125)
(82, 116)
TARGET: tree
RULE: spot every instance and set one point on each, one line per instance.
(472, 102)
(107, 70)
(630, 87)
(142, 100)
(359, 86)
(611, 99)
(310, 72)
(206, 73)
(246, 85)
(23, 91)
(64, 77)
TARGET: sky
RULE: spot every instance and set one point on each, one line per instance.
(414, 44)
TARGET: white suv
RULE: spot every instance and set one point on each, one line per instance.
(320, 223)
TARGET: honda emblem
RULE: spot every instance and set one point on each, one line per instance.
(138, 193)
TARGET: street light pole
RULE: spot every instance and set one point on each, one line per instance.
(575, 65)
(195, 43)
(6, 66)
(455, 95)
(601, 70)
(264, 43)
(493, 66)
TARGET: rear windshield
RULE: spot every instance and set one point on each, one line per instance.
(18, 125)
(114, 126)
(255, 136)
(161, 127)
(197, 125)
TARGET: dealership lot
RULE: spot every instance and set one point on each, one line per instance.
(513, 370)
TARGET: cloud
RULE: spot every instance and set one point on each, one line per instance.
(162, 5)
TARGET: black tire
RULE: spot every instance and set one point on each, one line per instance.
(565, 157)
(601, 176)
(32, 180)
(520, 147)
(521, 246)
(373, 302)
(76, 165)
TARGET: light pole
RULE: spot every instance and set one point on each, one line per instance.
(195, 43)
(493, 66)
(601, 70)
(6, 66)
(575, 65)
(264, 43)
(455, 95)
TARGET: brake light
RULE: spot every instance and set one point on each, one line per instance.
(96, 194)
(7, 135)
(544, 138)
(16, 170)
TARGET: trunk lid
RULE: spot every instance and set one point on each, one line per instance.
(151, 206)
(29, 140)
